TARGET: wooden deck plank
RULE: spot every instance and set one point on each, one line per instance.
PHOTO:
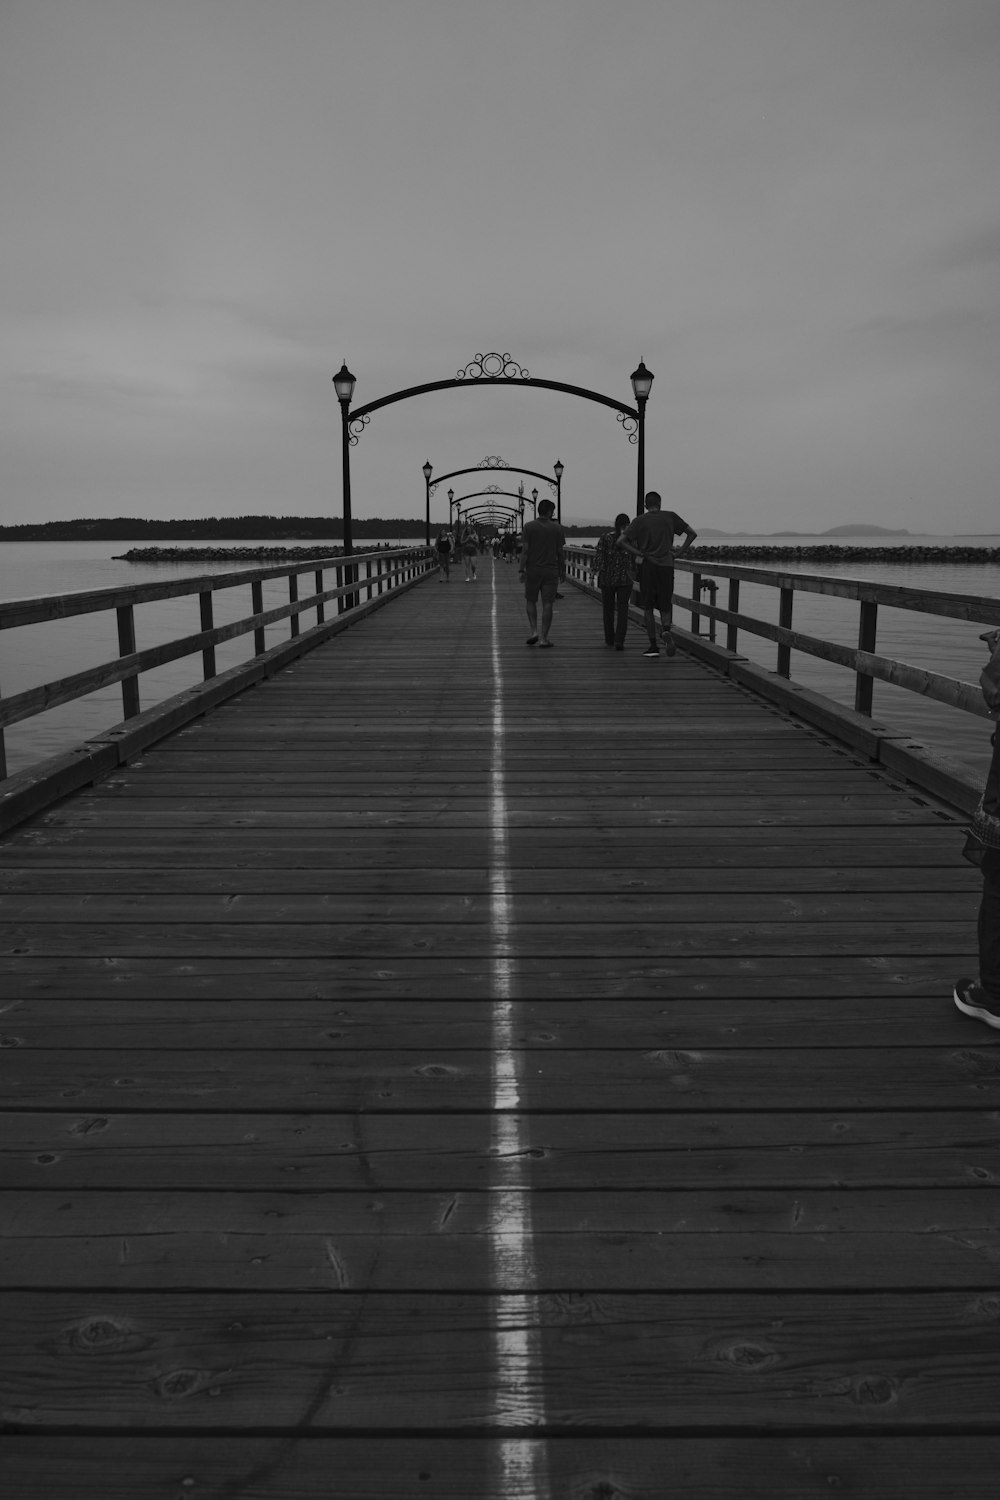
(249, 1160)
(608, 1241)
(765, 1467)
(383, 1153)
(658, 1362)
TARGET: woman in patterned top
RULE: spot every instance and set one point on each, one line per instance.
(613, 568)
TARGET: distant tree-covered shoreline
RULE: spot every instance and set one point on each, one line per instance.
(224, 528)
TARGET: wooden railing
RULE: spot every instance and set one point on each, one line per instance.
(358, 581)
(863, 661)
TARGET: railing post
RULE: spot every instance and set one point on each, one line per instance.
(320, 612)
(368, 578)
(338, 574)
(207, 623)
(863, 684)
(732, 629)
(293, 598)
(3, 753)
(696, 595)
(785, 621)
(126, 646)
(257, 607)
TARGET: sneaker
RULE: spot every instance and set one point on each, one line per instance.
(651, 651)
(973, 1000)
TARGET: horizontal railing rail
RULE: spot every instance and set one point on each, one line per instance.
(358, 580)
(864, 661)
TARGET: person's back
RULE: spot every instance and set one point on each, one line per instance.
(543, 541)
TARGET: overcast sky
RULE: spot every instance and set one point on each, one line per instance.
(789, 208)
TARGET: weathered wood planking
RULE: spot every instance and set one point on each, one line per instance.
(248, 1148)
(659, 1362)
(903, 1466)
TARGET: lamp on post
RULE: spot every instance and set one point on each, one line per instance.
(428, 471)
(534, 501)
(557, 468)
(451, 497)
(642, 381)
(344, 383)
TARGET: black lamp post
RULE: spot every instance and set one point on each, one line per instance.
(428, 471)
(558, 470)
(344, 383)
(534, 501)
(451, 497)
(642, 381)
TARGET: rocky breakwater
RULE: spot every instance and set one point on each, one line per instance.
(836, 552)
(224, 554)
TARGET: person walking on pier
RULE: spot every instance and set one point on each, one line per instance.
(542, 567)
(651, 538)
(981, 998)
(443, 546)
(613, 571)
(470, 551)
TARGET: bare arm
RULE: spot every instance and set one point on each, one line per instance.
(689, 537)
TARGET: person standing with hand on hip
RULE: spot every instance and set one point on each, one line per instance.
(651, 538)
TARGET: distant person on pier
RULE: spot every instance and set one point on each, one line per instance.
(444, 546)
(613, 571)
(981, 998)
(650, 538)
(542, 567)
(470, 551)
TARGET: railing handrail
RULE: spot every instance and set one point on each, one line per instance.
(31, 610)
(356, 573)
(863, 660)
(981, 609)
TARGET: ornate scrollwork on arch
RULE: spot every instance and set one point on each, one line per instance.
(492, 489)
(493, 461)
(629, 425)
(492, 366)
(356, 427)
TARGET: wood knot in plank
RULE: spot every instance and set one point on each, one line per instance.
(873, 1390)
(748, 1356)
(100, 1336)
(87, 1127)
(979, 1064)
(177, 1385)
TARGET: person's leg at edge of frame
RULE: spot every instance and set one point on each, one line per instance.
(981, 998)
(989, 928)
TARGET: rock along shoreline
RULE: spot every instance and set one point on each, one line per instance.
(708, 552)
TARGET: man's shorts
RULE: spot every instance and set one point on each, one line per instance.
(656, 586)
(544, 581)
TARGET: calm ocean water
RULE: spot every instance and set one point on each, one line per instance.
(40, 653)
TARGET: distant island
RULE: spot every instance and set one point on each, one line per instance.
(854, 529)
(229, 528)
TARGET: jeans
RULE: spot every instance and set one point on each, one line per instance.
(615, 599)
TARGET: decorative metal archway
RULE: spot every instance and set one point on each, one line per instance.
(488, 369)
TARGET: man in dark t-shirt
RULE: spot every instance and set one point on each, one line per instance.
(542, 569)
(651, 538)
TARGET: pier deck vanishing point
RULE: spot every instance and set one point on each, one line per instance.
(456, 1069)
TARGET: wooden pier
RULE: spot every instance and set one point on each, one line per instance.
(455, 1069)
